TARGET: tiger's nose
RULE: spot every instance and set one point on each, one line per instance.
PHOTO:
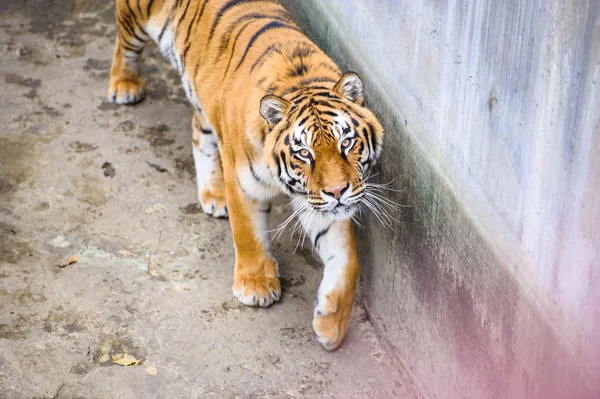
(337, 192)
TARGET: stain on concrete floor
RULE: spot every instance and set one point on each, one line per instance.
(153, 276)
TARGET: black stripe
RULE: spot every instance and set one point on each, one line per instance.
(278, 166)
(240, 185)
(182, 17)
(319, 235)
(131, 25)
(261, 31)
(253, 172)
(206, 131)
(298, 98)
(314, 79)
(149, 8)
(189, 31)
(139, 8)
(292, 89)
(227, 7)
(325, 94)
(361, 148)
(129, 46)
(305, 51)
(187, 41)
(292, 181)
(303, 121)
(263, 133)
(373, 138)
(135, 18)
(303, 109)
(133, 50)
(202, 10)
(234, 44)
(131, 14)
(162, 31)
(298, 70)
(330, 113)
(271, 48)
(368, 137)
(125, 25)
(254, 17)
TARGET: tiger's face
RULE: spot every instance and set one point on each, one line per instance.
(321, 146)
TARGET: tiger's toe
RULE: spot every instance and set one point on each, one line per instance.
(213, 204)
(126, 91)
(257, 291)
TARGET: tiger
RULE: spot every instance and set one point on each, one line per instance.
(273, 115)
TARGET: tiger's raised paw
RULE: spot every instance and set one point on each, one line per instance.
(257, 291)
(331, 317)
(126, 91)
(213, 204)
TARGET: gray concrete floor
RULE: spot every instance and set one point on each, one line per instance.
(153, 276)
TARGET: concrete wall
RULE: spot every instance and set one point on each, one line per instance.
(490, 284)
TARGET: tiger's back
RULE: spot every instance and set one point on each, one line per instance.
(229, 52)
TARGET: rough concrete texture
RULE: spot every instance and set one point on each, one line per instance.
(489, 286)
(114, 186)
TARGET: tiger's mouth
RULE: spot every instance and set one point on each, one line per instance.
(339, 211)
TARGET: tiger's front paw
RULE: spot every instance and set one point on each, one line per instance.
(257, 290)
(213, 203)
(331, 317)
(126, 91)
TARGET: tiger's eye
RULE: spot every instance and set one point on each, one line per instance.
(305, 153)
(346, 143)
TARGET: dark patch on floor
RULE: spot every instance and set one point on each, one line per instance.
(15, 164)
(157, 167)
(109, 170)
(289, 282)
(51, 111)
(81, 147)
(13, 248)
(191, 209)
(110, 345)
(158, 136)
(108, 106)
(186, 165)
(32, 84)
(98, 65)
(58, 23)
(157, 89)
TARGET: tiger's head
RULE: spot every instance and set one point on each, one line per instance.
(321, 145)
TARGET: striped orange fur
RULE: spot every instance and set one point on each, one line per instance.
(273, 114)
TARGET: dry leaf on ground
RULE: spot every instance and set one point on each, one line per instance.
(67, 260)
(125, 359)
(151, 370)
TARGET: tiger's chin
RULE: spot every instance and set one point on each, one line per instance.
(342, 212)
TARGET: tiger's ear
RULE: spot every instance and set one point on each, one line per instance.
(273, 109)
(351, 87)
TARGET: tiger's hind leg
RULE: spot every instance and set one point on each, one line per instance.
(126, 84)
(209, 172)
